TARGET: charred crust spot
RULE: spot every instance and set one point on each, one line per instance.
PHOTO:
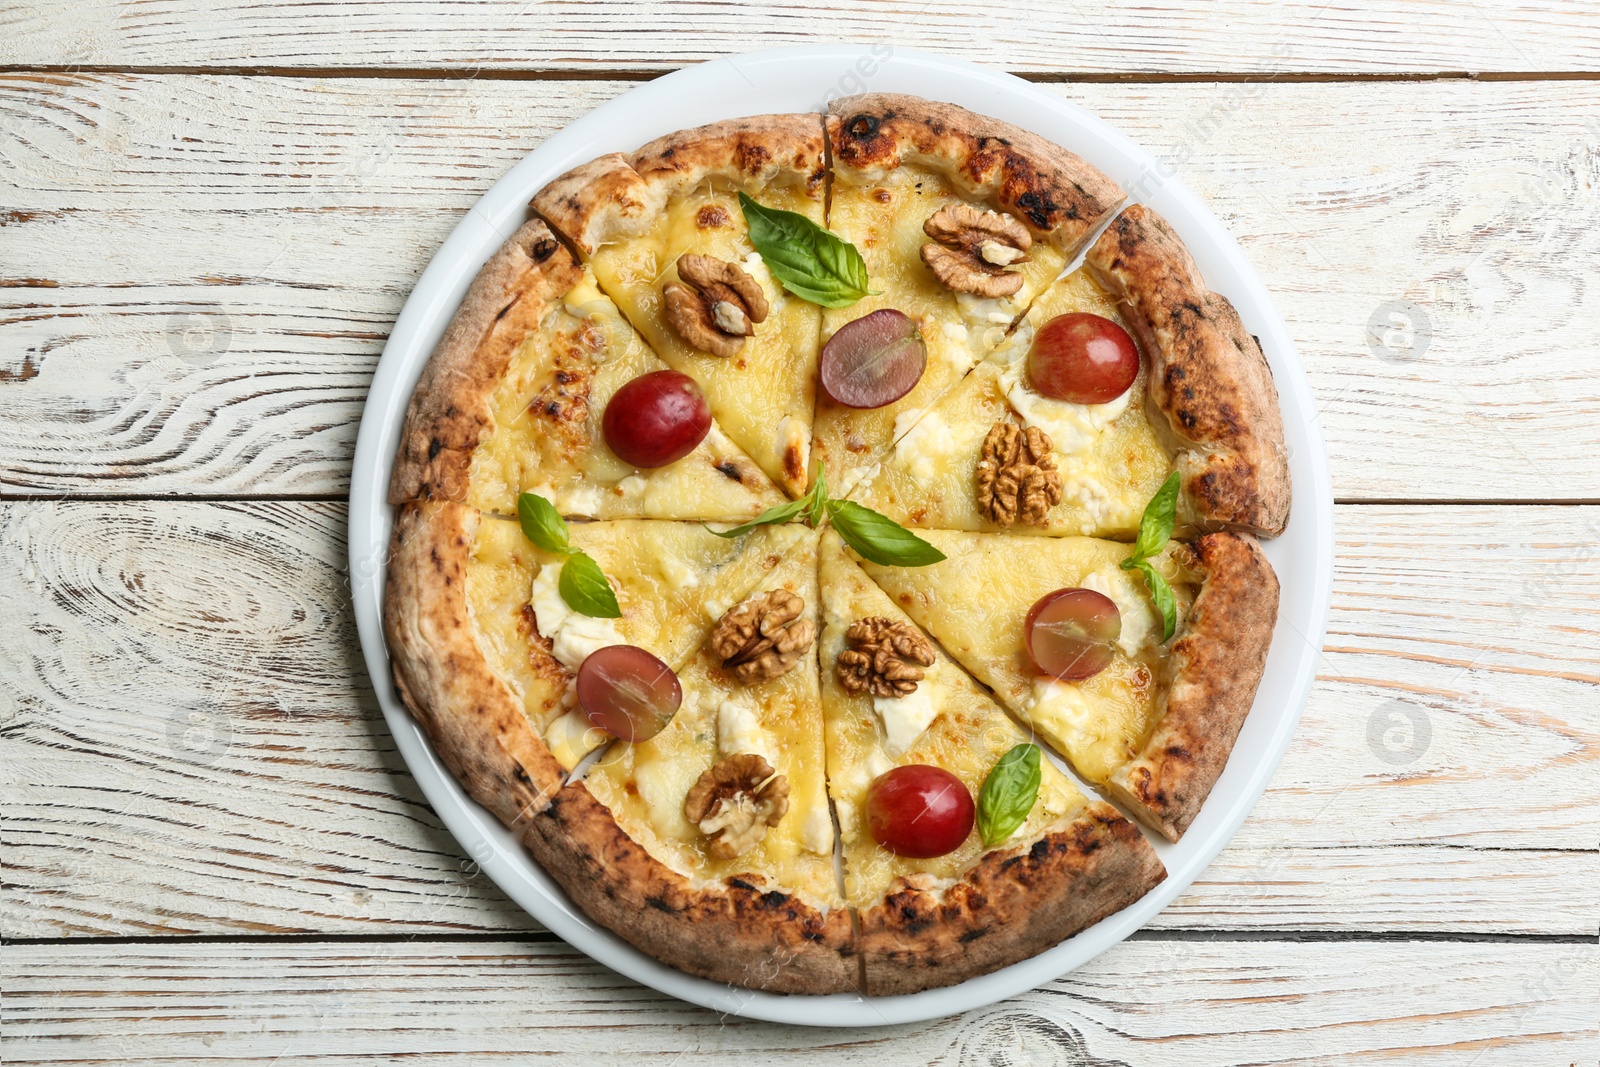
(710, 217)
(774, 899)
(521, 775)
(730, 469)
(1038, 208)
(552, 408)
(752, 157)
(1177, 373)
(543, 249)
(659, 904)
(809, 934)
(435, 446)
(1179, 752)
(740, 883)
(973, 935)
(862, 126)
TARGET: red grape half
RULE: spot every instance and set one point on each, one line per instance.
(1070, 633)
(873, 361)
(919, 811)
(656, 419)
(1082, 358)
(627, 692)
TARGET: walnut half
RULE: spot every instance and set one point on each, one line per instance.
(1017, 476)
(716, 305)
(734, 801)
(885, 657)
(973, 251)
(763, 637)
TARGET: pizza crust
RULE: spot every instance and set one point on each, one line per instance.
(1213, 671)
(474, 720)
(1011, 905)
(1209, 380)
(1058, 195)
(449, 414)
(619, 196)
(736, 931)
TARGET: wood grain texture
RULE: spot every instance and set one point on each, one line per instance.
(1255, 36)
(253, 239)
(1145, 1002)
(193, 748)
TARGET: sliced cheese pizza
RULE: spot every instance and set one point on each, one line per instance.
(665, 234)
(962, 221)
(794, 734)
(892, 699)
(514, 398)
(1155, 720)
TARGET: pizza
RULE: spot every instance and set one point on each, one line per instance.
(832, 544)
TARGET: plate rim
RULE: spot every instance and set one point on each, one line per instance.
(817, 73)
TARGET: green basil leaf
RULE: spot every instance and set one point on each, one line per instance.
(542, 523)
(586, 589)
(776, 513)
(879, 538)
(807, 260)
(1008, 794)
(1155, 529)
(817, 498)
(1161, 593)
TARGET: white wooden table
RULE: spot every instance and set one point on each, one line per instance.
(211, 214)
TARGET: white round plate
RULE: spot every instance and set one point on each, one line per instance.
(806, 79)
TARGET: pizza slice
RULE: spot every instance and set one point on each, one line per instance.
(1148, 721)
(712, 841)
(1066, 864)
(665, 235)
(998, 453)
(514, 397)
(734, 784)
(962, 220)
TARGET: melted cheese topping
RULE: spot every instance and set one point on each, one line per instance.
(572, 737)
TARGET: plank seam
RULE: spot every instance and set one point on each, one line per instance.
(544, 937)
(642, 74)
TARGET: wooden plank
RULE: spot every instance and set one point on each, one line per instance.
(1251, 36)
(1148, 1002)
(194, 748)
(192, 742)
(253, 238)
